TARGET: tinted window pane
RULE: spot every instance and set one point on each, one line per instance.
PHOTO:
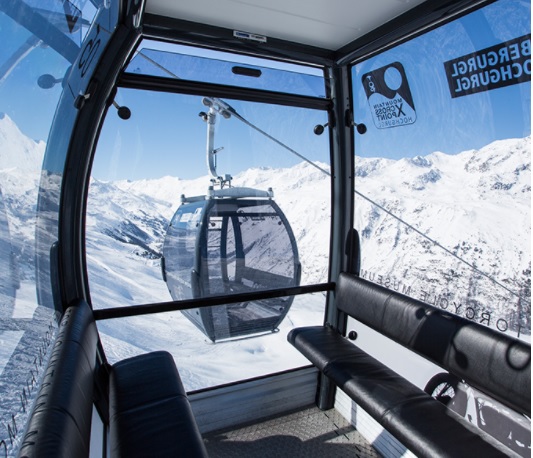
(443, 173)
(267, 227)
(443, 189)
(31, 71)
(251, 73)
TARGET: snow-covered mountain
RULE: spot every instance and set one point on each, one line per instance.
(453, 231)
(474, 209)
(474, 256)
(26, 329)
(450, 230)
(20, 168)
(16, 149)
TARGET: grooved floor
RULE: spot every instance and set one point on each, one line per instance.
(309, 433)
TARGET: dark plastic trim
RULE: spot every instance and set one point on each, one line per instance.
(95, 100)
(251, 379)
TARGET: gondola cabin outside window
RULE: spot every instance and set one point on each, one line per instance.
(197, 197)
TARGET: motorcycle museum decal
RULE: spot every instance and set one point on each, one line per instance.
(490, 68)
(389, 96)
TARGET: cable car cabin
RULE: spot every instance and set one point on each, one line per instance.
(222, 246)
(232, 240)
(380, 305)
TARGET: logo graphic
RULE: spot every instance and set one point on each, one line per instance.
(389, 96)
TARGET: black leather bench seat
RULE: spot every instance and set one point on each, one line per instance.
(149, 413)
(149, 410)
(494, 363)
(60, 423)
(421, 423)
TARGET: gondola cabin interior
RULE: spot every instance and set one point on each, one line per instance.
(244, 228)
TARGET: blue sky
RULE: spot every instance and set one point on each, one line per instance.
(31, 107)
(165, 136)
(442, 123)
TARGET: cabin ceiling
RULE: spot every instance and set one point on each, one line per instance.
(328, 24)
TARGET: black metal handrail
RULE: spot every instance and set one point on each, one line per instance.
(172, 306)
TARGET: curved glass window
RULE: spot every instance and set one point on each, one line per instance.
(40, 39)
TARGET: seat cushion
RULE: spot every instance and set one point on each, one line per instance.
(421, 423)
(60, 423)
(149, 413)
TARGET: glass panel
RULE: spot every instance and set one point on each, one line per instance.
(251, 216)
(32, 64)
(204, 364)
(443, 182)
(443, 173)
(200, 65)
(144, 165)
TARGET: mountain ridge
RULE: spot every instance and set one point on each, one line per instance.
(452, 226)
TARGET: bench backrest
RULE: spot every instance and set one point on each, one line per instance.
(60, 424)
(488, 360)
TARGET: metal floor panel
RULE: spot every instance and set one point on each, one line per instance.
(307, 433)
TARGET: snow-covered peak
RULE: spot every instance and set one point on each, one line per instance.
(16, 149)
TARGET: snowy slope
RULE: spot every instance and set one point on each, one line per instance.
(20, 168)
(27, 330)
(476, 205)
(473, 208)
(16, 149)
